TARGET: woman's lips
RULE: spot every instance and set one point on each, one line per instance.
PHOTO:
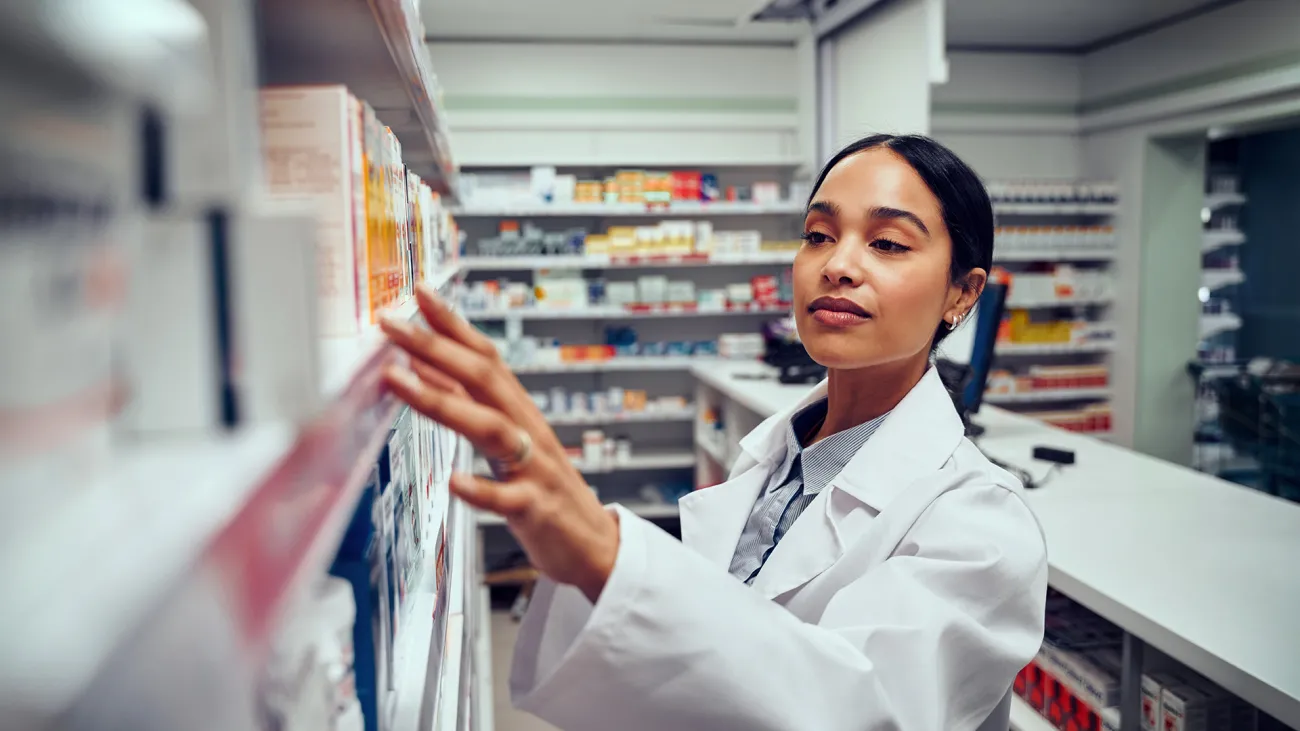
(838, 312)
(834, 318)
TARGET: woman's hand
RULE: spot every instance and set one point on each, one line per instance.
(458, 379)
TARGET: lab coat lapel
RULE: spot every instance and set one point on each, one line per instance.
(713, 518)
(916, 439)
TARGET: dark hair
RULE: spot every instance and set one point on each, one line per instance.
(967, 212)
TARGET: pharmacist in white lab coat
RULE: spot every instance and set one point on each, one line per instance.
(865, 567)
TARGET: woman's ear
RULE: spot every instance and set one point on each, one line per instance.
(968, 292)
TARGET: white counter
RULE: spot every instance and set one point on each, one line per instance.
(1198, 568)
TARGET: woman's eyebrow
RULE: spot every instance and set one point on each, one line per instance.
(896, 214)
(825, 207)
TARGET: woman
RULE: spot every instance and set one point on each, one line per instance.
(865, 567)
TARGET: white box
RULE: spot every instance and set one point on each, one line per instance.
(212, 153)
(273, 268)
(211, 346)
(312, 148)
(1085, 679)
(171, 359)
(651, 289)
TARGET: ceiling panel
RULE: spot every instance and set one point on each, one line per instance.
(1066, 24)
(602, 19)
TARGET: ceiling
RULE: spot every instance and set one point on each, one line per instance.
(1067, 25)
(1057, 24)
(602, 20)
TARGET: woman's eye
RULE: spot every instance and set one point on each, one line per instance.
(889, 247)
(815, 238)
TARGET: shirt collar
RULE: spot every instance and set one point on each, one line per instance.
(821, 462)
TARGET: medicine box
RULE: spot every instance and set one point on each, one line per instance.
(1092, 682)
(312, 148)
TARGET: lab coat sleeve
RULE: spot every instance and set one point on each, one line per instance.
(928, 640)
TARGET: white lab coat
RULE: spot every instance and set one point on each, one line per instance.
(907, 596)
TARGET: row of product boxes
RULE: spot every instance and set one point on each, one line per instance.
(332, 662)
(1048, 378)
(556, 289)
(381, 228)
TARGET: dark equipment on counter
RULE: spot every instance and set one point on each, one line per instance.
(786, 353)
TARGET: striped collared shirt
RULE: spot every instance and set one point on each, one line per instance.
(794, 484)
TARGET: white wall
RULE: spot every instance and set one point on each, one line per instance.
(1011, 115)
(1240, 52)
(605, 104)
(882, 66)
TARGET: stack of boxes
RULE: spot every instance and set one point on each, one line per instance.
(1047, 240)
(567, 289)
(1185, 702)
(666, 239)
(545, 185)
(1048, 378)
(1023, 328)
(1052, 191)
(1060, 283)
(1074, 682)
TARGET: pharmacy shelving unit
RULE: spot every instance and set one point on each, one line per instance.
(1119, 527)
(1222, 244)
(662, 453)
(1030, 239)
(151, 592)
(663, 438)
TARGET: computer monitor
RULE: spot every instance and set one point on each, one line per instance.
(967, 353)
(988, 318)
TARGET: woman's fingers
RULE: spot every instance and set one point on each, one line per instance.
(491, 433)
(444, 320)
(486, 379)
(435, 377)
(506, 499)
(445, 355)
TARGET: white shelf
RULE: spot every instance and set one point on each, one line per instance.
(640, 210)
(1025, 718)
(443, 275)
(649, 511)
(607, 312)
(1055, 209)
(1213, 279)
(1063, 254)
(1215, 201)
(1216, 239)
(624, 417)
(1212, 325)
(612, 365)
(1019, 349)
(605, 261)
(447, 712)
(648, 461)
(651, 461)
(715, 452)
(411, 652)
(1022, 304)
(1046, 395)
(369, 47)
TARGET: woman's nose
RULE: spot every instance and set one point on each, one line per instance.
(845, 265)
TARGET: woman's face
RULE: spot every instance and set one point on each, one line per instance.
(872, 279)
